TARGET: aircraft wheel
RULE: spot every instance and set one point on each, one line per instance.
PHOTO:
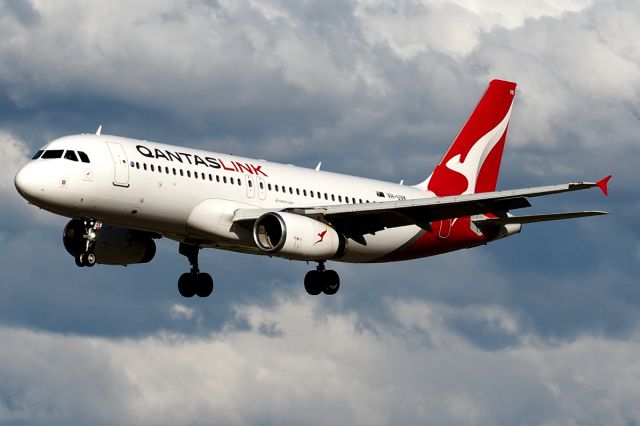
(204, 286)
(89, 259)
(79, 258)
(331, 282)
(186, 285)
(313, 283)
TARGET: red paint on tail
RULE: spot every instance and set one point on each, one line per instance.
(472, 163)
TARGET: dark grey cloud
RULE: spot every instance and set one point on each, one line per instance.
(20, 10)
(541, 328)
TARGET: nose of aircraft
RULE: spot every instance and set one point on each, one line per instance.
(26, 182)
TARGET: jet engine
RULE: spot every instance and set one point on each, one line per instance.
(293, 236)
(113, 245)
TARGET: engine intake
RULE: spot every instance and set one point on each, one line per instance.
(293, 236)
(113, 245)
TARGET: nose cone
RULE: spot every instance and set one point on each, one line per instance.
(26, 182)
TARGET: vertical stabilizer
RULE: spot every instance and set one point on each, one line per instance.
(472, 163)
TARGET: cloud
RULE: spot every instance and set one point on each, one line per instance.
(13, 154)
(541, 328)
(322, 368)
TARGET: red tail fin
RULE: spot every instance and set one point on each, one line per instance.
(472, 163)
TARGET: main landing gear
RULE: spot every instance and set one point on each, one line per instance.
(85, 256)
(194, 282)
(321, 281)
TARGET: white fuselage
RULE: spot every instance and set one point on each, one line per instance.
(155, 187)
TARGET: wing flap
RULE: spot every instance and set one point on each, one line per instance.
(535, 218)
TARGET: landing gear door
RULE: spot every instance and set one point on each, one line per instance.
(121, 168)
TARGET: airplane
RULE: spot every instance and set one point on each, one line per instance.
(121, 194)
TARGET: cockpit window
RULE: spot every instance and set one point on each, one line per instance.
(83, 157)
(52, 153)
(38, 154)
(71, 155)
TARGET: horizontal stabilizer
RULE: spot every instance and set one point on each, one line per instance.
(535, 218)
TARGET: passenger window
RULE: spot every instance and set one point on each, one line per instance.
(218, 178)
(188, 173)
(52, 153)
(250, 184)
(210, 177)
(261, 185)
(152, 168)
(137, 165)
(360, 200)
(340, 198)
(166, 170)
(224, 179)
(174, 171)
(269, 186)
(231, 181)
(83, 157)
(181, 172)
(239, 182)
(276, 188)
(70, 155)
(37, 155)
(333, 197)
(298, 191)
(304, 192)
(290, 190)
(311, 193)
(326, 197)
(203, 176)
(144, 166)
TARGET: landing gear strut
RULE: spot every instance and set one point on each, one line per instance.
(194, 282)
(321, 281)
(86, 257)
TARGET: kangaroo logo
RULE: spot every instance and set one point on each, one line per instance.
(321, 235)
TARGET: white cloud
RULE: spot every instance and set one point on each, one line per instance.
(321, 368)
(451, 27)
(181, 312)
(13, 155)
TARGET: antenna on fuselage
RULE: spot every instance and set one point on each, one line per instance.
(99, 130)
(402, 182)
(318, 166)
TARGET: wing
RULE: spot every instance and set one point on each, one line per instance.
(356, 220)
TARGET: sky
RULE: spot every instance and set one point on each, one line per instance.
(542, 328)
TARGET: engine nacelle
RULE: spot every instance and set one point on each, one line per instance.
(113, 245)
(297, 237)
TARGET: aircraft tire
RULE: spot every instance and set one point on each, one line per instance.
(186, 285)
(331, 282)
(313, 283)
(204, 284)
(89, 260)
(79, 259)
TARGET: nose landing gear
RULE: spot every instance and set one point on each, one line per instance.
(194, 282)
(322, 281)
(86, 256)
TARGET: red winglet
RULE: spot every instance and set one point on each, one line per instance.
(602, 184)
